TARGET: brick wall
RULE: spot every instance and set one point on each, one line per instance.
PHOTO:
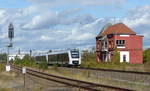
(134, 45)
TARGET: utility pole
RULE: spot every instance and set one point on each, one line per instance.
(10, 36)
(30, 53)
(24, 73)
(19, 52)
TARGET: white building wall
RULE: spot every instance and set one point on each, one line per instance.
(12, 57)
(124, 35)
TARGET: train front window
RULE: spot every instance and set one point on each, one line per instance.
(74, 54)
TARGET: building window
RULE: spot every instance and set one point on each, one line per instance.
(120, 43)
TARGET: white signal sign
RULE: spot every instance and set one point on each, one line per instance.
(24, 70)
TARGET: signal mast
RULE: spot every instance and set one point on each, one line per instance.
(10, 45)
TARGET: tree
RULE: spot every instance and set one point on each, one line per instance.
(146, 56)
(17, 61)
(88, 59)
(85, 55)
(43, 64)
(116, 56)
(26, 61)
(3, 57)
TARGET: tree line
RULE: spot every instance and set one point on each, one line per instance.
(26, 61)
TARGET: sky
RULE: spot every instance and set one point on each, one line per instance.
(62, 24)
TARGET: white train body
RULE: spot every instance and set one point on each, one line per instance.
(68, 57)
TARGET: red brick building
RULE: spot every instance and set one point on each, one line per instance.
(124, 39)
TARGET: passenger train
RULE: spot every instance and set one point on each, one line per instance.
(63, 58)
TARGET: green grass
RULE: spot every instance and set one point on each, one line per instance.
(90, 62)
(5, 89)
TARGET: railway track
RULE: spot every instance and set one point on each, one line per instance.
(88, 86)
(120, 78)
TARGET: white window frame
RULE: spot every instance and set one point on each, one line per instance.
(120, 43)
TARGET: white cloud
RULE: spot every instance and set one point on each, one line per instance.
(86, 33)
(52, 19)
(53, 3)
(138, 16)
(30, 10)
(139, 20)
(45, 38)
(70, 28)
(3, 14)
(83, 37)
(19, 38)
(3, 36)
(41, 21)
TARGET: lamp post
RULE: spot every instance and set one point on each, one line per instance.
(10, 36)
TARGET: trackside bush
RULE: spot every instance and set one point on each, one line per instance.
(43, 64)
(146, 56)
(3, 57)
(30, 62)
(2, 67)
(116, 57)
(26, 61)
(17, 61)
(89, 61)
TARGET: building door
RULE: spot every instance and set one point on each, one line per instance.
(124, 58)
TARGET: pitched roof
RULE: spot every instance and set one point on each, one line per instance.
(119, 28)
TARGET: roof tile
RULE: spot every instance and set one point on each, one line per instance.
(119, 28)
